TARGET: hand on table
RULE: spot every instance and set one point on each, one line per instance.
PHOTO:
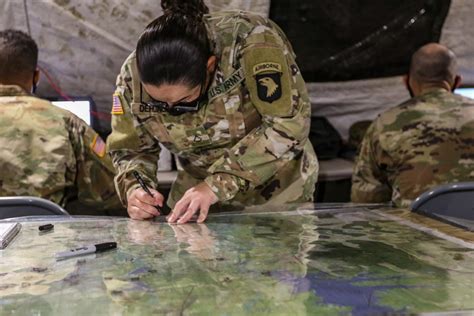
(140, 205)
(198, 198)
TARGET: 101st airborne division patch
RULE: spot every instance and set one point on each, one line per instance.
(268, 79)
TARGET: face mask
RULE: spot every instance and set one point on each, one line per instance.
(181, 107)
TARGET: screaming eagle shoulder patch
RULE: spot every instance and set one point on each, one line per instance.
(268, 87)
(268, 80)
(268, 77)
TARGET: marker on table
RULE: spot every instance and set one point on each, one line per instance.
(86, 250)
(46, 227)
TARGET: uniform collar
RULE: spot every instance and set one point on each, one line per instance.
(434, 90)
(212, 37)
(218, 76)
(12, 91)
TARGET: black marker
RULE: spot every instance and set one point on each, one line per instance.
(86, 250)
(144, 186)
(142, 183)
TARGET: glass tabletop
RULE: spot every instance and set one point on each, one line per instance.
(352, 260)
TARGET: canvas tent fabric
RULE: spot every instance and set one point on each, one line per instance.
(340, 40)
(83, 44)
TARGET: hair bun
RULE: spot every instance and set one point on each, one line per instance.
(194, 8)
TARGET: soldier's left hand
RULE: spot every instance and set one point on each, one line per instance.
(198, 198)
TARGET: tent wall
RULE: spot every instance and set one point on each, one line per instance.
(344, 103)
(84, 42)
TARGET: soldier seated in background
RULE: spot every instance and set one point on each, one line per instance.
(46, 151)
(422, 143)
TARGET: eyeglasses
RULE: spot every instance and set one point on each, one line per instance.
(178, 108)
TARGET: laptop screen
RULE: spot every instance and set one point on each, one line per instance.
(467, 92)
(82, 109)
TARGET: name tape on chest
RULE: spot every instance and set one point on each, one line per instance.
(149, 108)
(235, 79)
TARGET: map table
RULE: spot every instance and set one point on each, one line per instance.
(342, 260)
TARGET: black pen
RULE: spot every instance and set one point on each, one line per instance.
(142, 183)
(144, 186)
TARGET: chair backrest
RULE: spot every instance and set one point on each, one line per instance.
(453, 203)
(17, 206)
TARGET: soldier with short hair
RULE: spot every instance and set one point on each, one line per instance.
(46, 151)
(422, 143)
(222, 91)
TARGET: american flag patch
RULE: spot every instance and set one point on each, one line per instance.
(117, 105)
(98, 146)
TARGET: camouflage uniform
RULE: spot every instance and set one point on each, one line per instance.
(50, 153)
(424, 142)
(249, 143)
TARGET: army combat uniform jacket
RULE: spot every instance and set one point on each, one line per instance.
(48, 152)
(424, 142)
(249, 143)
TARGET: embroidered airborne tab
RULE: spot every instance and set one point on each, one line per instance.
(235, 79)
(266, 67)
(98, 146)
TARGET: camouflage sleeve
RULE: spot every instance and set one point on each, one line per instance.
(94, 178)
(369, 184)
(278, 92)
(130, 146)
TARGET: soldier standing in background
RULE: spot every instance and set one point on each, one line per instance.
(221, 91)
(422, 143)
(46, 151)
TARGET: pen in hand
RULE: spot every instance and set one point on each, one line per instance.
(144, 186)
(142, 183)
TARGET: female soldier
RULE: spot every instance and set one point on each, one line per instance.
(223, 93)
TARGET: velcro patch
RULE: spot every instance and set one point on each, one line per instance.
(98, 146)
(117, 108)
(268, 80)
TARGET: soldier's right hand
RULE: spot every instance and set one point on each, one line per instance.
(140, 205)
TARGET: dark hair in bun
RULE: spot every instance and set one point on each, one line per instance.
(174, 48)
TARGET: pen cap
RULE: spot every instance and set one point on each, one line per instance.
(46, 227)
(105, 246)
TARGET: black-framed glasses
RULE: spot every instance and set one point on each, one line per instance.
(178, 108)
